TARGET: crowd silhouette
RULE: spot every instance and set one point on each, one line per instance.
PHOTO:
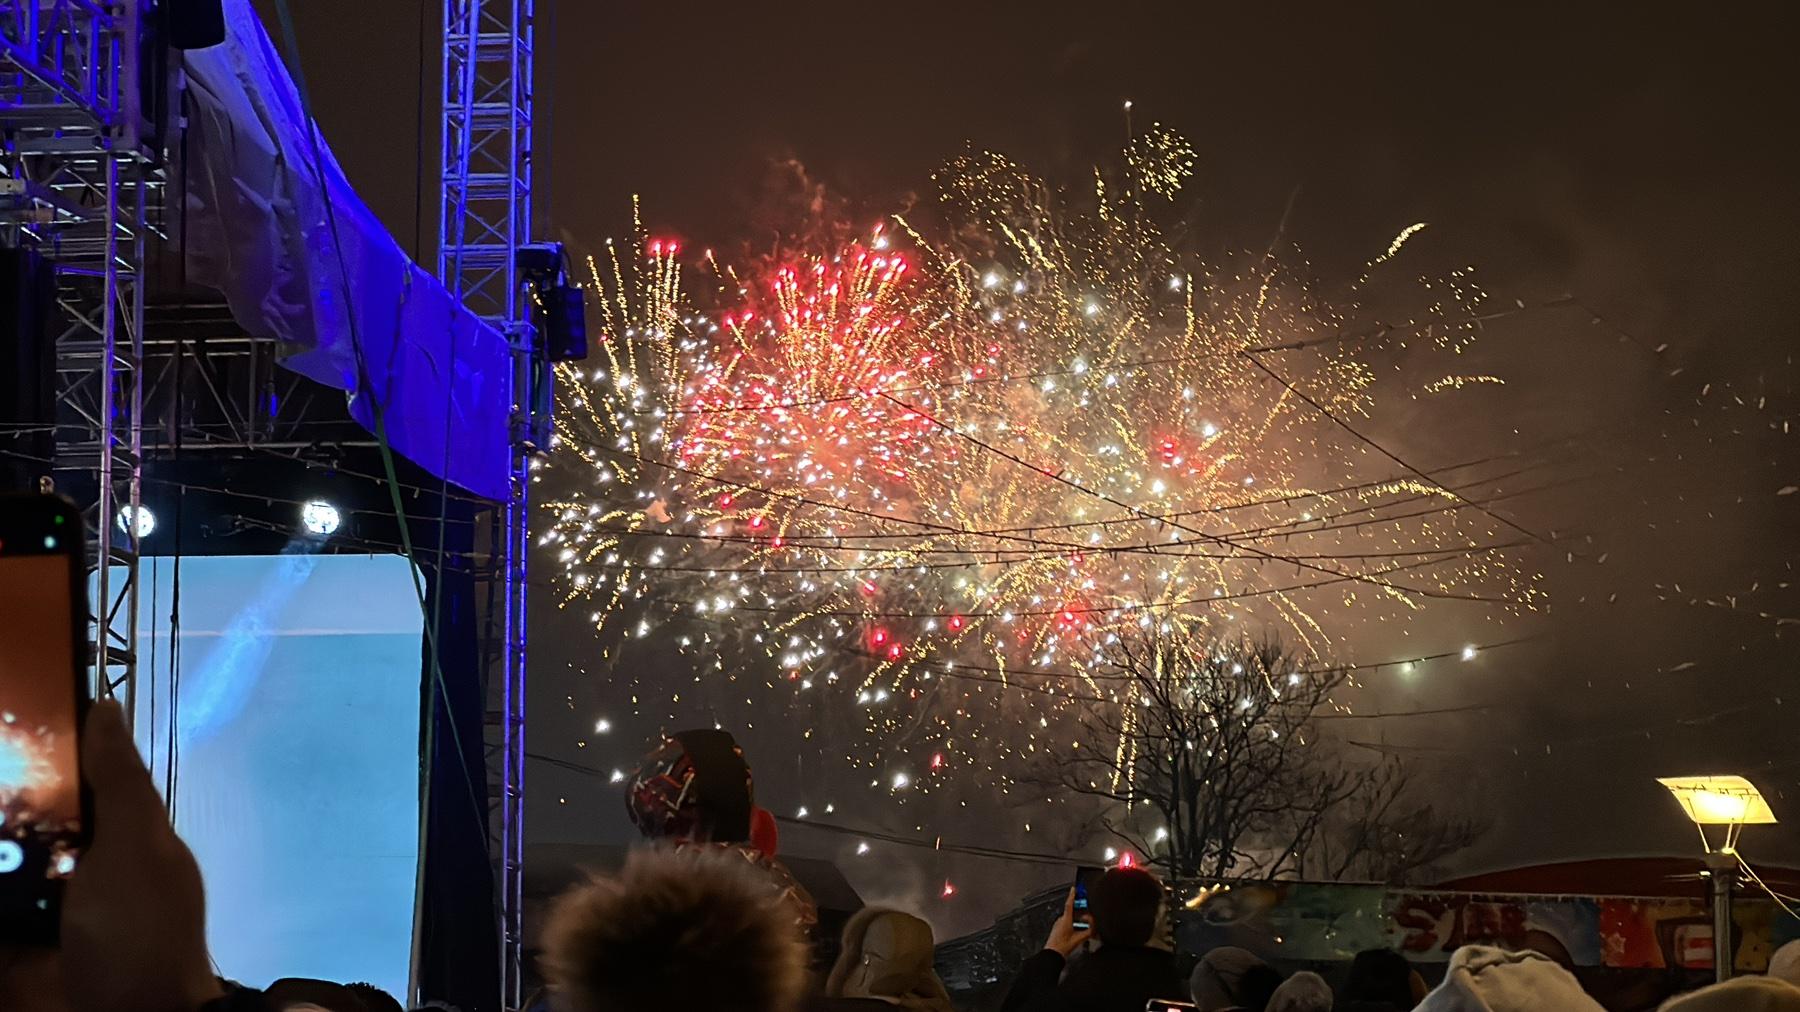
(705, 917)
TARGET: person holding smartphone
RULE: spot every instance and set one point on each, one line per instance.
(1123, 973)
(101, 904)
(133, 931)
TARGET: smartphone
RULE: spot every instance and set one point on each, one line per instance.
(45, 814)
(1085, 876)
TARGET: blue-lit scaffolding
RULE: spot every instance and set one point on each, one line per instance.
(81, 184)
(486, 217)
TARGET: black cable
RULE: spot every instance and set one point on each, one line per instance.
(1050, 551)
(443, 515)
(945, 530)
(1298, 528)
(949, 668)
(1376, 331)
(174, 732)
(172, 774)
(418, 251)
(1335, 578)
(148, 699)
(365, 384)
(1062, 478)
(1041, 550)
(1015, 560)
(969, 849)
(1384, 451)
(1163, 517)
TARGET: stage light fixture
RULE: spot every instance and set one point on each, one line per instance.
(561, 307)
(565, 324)
(144, 520)
(320, 518)
(194, 24)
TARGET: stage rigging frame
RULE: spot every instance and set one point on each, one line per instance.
(486, 216)
(81, 183)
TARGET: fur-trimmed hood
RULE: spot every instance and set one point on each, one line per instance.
(887, 955)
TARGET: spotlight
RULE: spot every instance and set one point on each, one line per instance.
(143, 520)
(320, 518)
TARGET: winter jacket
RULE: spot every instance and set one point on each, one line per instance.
(1109, 979)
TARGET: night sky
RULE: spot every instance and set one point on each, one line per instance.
(1640, 161)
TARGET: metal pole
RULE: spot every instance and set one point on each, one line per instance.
(518, 535)
(134, 439)
(1722, 866)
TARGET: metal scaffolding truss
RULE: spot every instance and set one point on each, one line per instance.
(486, 182)
(486, 216)
(63, 63)
(78, 185)
(212, 387)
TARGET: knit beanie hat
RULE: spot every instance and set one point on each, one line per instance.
(1785, 964)
(1482, 978)
(1215, 980)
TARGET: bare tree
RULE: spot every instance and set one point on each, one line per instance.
(1212, 754)
(1386, 834)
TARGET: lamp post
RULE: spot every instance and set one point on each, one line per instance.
(1734, 803)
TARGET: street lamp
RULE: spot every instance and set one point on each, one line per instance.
(1734, 803)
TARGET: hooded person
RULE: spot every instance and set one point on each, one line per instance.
(1232, 978)
(1123, 974)
(1481, 978)
(1785, 963)
(886, 959)
(1303, 992)
(1743, 994)
(1381, 980)
(695, 790)
(694, 787)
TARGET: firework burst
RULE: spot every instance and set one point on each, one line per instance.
(989, 447)
(26, 769)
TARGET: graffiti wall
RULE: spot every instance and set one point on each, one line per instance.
(1328, 923)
